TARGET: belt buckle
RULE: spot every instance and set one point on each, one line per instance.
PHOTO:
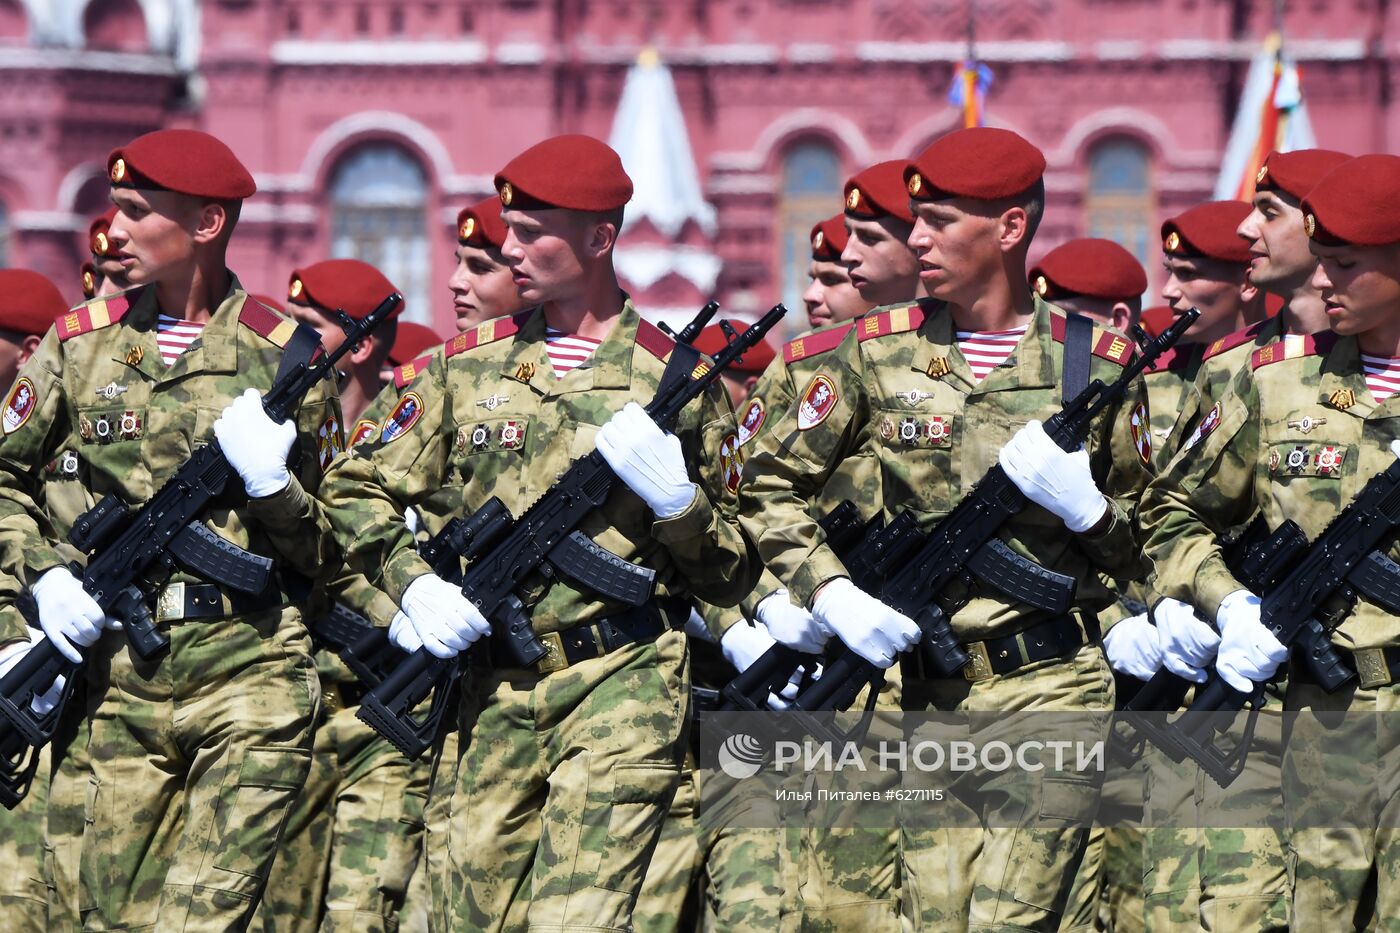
(554, 660)
(170, 607)
(1371, 667)
(330, 698)
(980, 667)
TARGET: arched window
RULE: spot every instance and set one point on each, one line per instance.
(117, 25)
(811, 193)
(379, 215)
(1121, 204)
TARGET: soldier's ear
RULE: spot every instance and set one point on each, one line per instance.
(27, 347)
(1014, 228)
(213, 222)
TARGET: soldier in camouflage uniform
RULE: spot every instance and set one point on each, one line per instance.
(29, 304)
(108, 275)
(565, 769)
(1096, 278)
(977, 196)
(354, 835)
(1295, 437)
(877, 255)
(194, 758)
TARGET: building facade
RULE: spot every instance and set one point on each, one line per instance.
(368, 123)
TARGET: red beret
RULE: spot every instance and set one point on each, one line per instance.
(1091, 267)
(29, 302)
(412, 341)
(879, 191)
(270, 302)
(978, 162)
(1157, 319)
(98, 243)
(184, 161)
(346, 285)
(1208, 230)
(481, 225)
(577, 173)
(1295, 173)
(87, 273)
(756, 358)
(829, 239)
(1355, 203)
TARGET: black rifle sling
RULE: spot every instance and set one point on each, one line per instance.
(1079, 337)
(299, 350)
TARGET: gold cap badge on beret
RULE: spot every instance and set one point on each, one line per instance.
(916, 183)
(468, 226)
(853, 199)
(294, 291)
(119, 170)
(89, 286)
(1041, 286)
(1263, 174)
(507, 193)
(100, 241)
(1309, 224)
(818, 239)
(1172, 242)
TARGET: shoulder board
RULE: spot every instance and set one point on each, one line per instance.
(1292, 347)
(486, 332)
(405, 374)
(653, 339)
(94, 315)
(816, 343)
(894, 321)
(1239, 337)
(1107, 345)
(265, 322)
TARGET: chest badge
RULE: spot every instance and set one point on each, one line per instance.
(134, 355)
(938, 367)
(110, 391)
(1342, 399)
(1297, 459)
(1306, 423)
(913, 396)
(525, 372)
(496, 400)
(1329, 460)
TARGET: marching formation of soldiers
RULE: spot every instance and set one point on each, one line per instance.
(228, 783)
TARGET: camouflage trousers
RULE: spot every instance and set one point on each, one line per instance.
(562, 785)
(1015, 872)
(24, 888)
(194, 761)
(1107, 894)
(353, 837)
(65, 819)
(1341, 791)
(427, 892)
(1215, 857)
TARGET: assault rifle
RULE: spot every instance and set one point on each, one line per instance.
(1296, 581)
(543, 540)
(129, 553)
(919, 567)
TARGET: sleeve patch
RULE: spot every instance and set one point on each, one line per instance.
(404, 416)
(817, 402)
(329, 444)
(364, 429)
(752, 420)
(1142, 436)
(1208, 424)
(731, 461)
(19, 405)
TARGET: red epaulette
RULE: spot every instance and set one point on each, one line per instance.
(896, 320)
(1107, 345)
(405, 374)
(1239, 337)
(653, 339)
(94, 315)
(265, 322)
(486, 332)
(816, 343)
(1292, 347)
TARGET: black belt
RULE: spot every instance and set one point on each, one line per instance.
(1051, 638)
(586, 642)
(1375, 667)
(178, 601)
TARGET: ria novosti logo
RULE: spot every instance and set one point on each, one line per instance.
(741, 756)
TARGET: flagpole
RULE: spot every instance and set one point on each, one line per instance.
(971, 117)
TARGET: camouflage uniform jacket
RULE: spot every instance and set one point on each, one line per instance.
(106, 413)
(1218, 365)
(1295, 437)
(898, 389)
(491, 419)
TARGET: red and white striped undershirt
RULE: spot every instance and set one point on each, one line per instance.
(1382, 376)
(174, 336)
(568, 351)
(985, 350)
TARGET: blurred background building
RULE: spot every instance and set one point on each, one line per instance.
(368, 123)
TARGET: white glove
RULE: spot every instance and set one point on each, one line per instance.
(791, 625)
(743, 644)
(648, 460)
(1132, 647)
(67, 614)
(401, 633)
(442, 618)
(1053, 479)
(1249, 653)
(1188, 642)
(255, 445)
(867, 626)
(10, 655)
